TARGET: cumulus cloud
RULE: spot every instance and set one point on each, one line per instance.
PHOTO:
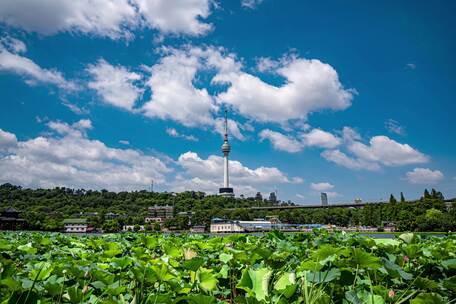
(176, 16)
(70, 158)
(114, 84)
(320, 138)
(323, 186)
(107, 18)
(340, 158)
(388, 152)
(173, 133)
(210, 172)
(12, 62)
(424, 176)
(234, 129)
(8, 141)
(173, 94)
(313, 138)
(310, 86)
(381, 150)
(280, 141)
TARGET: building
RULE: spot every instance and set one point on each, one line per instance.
(10, 220)
(258, 196)
(324, 199)
(358, 201)
(126, 228)
(76, 225)
(159, 213)
(229, 226)
(272, 198)
(226, 190)
(198, 229)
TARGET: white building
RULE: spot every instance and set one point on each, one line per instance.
(227, 226)
(76, 225)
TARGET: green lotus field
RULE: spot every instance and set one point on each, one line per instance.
(319, 267)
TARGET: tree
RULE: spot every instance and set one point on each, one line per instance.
(402, 198)
(426, 194)
(392, 199)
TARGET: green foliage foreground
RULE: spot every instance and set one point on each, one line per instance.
(320, 267)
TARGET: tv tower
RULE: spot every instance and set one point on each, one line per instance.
(226, 148)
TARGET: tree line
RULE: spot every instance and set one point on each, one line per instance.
(45, 209)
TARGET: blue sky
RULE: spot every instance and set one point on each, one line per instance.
(351, 98)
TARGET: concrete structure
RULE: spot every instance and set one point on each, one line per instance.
(198, 229)
(126, 228)
(163, 212)
(258, 196)
(272, 198)
(76, 225)
(10, 220)
(230, 226)
(226, 148)
(324, 199)
(358, 201)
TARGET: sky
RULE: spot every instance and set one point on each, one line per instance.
(352, 98)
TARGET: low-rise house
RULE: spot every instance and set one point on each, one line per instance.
(76, 225)
(10, 220)
(126, 228)
(227, 226)
(198, 229)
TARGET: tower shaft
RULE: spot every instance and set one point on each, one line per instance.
(226, 177)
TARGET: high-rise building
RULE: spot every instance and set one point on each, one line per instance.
(324, 199)
(258, 196)
(226, 190)
(272, 198)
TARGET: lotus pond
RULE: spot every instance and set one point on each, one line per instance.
(318, 268)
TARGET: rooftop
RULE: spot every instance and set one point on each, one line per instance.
(75, 221)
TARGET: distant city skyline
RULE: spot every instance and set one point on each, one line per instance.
(352, 99)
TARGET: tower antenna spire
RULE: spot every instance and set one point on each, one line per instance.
(226, 124)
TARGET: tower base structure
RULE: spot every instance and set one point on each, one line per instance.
(227, 192)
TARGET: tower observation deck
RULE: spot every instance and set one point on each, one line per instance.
(226, 148)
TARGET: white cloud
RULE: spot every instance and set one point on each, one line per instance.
(114, 84)
(320, 138)
(176, 16)
(8, 141)
(124, 142)
(33, 73)
(173, 93)
(394, 127)
(380, 151)
(71, 159)
(410, 66)
(323, 186)
(107, 18)
(208, 174)
(251, 4)
(173, 132)
(13, 45)
(342, 159)
(266, 64)
(233, 128)
(280, 141)
(387, 152)
(310, 86)
(424, 176)
(349, 135)
(313, 138)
